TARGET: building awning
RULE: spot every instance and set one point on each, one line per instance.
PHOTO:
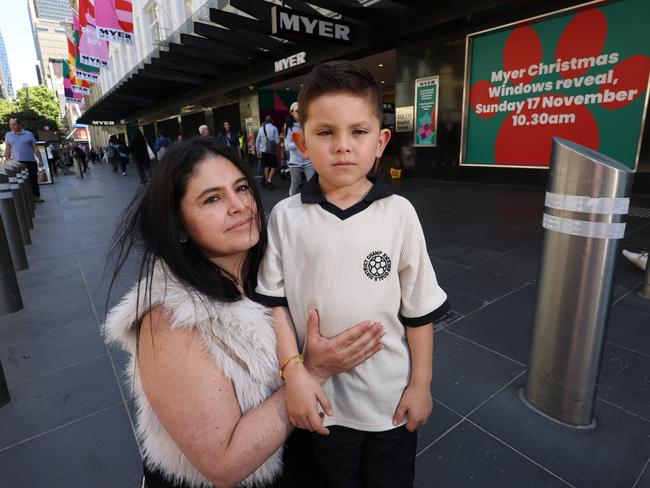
(220, 43)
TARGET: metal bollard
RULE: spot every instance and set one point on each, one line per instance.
(10, 299)
(19, 203)
(12, 227)
(23, 180)
(586, 207)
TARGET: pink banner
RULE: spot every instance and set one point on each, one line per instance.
(92, 51)
(114, 20)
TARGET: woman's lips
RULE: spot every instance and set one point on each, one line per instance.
(240, 225)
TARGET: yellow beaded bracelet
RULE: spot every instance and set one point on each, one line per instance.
(298, 357)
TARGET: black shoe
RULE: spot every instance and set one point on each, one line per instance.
(265, 183)
(270, 186)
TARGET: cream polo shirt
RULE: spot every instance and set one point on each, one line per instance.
(368, 262)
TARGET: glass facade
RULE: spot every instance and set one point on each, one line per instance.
(58, 10)
(4, 62)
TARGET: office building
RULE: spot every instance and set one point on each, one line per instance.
(5, 71)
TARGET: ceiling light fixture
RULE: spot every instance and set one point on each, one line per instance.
(380, 65)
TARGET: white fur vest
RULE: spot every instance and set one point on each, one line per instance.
(244, 327)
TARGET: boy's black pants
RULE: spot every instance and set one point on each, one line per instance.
(356, 459)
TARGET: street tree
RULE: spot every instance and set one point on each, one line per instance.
(39, 99)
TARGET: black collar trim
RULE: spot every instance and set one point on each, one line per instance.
(311, 193)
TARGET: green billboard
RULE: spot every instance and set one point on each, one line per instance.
(580, 74)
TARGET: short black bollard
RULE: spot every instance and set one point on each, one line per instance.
(4, 391)
(10, 299)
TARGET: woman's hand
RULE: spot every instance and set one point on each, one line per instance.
(304, 393)
(328, 357)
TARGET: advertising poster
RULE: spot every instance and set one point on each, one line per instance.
(44, 176)
(581, 75)
(404, 119)
(250, 135)
(426, 111)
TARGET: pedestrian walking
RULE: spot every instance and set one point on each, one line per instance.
(161, 144)
(299, 167)
(139, 153)
(266, 143)
(228, 138)
(204, 130)
(21, 147)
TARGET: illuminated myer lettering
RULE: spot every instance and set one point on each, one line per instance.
(291, 61)
(285, 21)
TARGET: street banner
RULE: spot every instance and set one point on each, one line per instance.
(92, 51)
(78, 86)
(580, 74)
(70, 96)
(426, 111)
(86, 71)
(114, 20)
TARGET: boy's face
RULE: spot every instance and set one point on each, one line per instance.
(342, 137)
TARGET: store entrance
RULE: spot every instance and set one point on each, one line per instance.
(276, 98)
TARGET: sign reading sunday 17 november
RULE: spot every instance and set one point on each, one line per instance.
(581, 75)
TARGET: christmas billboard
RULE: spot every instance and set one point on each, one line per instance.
(580, 74)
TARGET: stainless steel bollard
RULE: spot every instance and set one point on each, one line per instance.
(10, 299)
(12, 227)
(19, 202)
(585, 211)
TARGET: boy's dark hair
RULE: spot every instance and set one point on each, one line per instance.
(341, 77)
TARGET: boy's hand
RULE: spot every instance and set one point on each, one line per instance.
(416, 404)
(304, 394)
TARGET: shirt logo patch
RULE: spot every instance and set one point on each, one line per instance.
(376, 265)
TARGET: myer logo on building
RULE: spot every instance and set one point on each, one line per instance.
(102, 122)
(291, 61)
(288, 23)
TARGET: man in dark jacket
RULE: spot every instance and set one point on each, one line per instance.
(139, 153)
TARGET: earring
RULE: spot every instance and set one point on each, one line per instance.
(183, 239)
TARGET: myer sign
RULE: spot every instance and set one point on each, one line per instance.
(289, 23)
(291, 61)
(102, 122)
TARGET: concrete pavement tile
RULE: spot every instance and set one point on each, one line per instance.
(465, 375)
(98, 451)
(612, 455)
(55, 399)
(468, 458)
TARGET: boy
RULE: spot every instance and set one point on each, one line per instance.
(348, 248)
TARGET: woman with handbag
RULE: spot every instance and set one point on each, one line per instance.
(211, 407)
(229, 139)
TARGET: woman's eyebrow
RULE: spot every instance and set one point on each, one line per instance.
(220, 188)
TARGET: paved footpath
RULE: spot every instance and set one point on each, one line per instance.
(70, 423)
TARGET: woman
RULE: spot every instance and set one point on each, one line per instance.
(211, 409)
(229, 139)
(298, 165)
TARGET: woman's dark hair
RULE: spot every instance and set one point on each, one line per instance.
(223, 127)
(339, 77)
(153, 224)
